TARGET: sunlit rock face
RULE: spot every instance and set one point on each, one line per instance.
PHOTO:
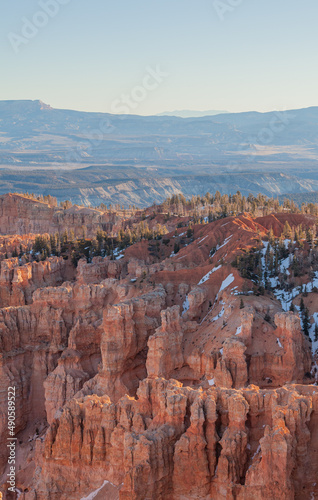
(147, 378)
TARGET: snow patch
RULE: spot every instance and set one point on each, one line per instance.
(256, 452)
(312, 332)
(185, 306)
(279, 343)
(218, 316)
(207, 276)
(224, 243)
(285, 264)
(205, 237)
(92, 495)
(227, 282)
(239, 330)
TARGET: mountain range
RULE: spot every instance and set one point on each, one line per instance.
(96, 157)
(190, 113)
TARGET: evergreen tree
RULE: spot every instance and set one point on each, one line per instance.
(287, 231)
(306, 322)
(176, 247)
(271, 237)
(190, 231)
(53, 244)
(302, 305)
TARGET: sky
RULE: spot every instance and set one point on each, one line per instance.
(148, 56)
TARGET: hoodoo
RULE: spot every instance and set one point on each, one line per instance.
(169, 356)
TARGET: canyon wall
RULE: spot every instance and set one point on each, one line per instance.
(174, 442)
(20, 215)
(141, 380)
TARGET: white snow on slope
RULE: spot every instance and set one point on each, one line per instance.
(312, 332)
(207, 276)
(227, 282)
(205, 237)
(279, 343)
(285, 264)
(225, 243)
(92, 495)
(218, 316)
(284, 297)
(185, 306)
(239, 330)
(313, 284)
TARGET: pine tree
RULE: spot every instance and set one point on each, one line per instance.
(242, 304)
(190, 231)
(64, 240)
(306, 322)
(287, 231)
(53, 244)
(271, 237)
(302, 305)
(292, 307)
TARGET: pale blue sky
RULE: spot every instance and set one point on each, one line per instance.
(261, 56)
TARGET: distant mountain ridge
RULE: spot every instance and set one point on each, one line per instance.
(140, 159)
(187, 113)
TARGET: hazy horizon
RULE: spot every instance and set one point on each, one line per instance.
(164, 113)
(147, 59)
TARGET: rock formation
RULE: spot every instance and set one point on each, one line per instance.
(146, 377)
(20, 215)
(176, 442)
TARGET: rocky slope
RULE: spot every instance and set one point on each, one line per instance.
(20, 215)
(147, 378)
(141, 186)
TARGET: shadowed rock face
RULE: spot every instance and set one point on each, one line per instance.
(147, 381)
